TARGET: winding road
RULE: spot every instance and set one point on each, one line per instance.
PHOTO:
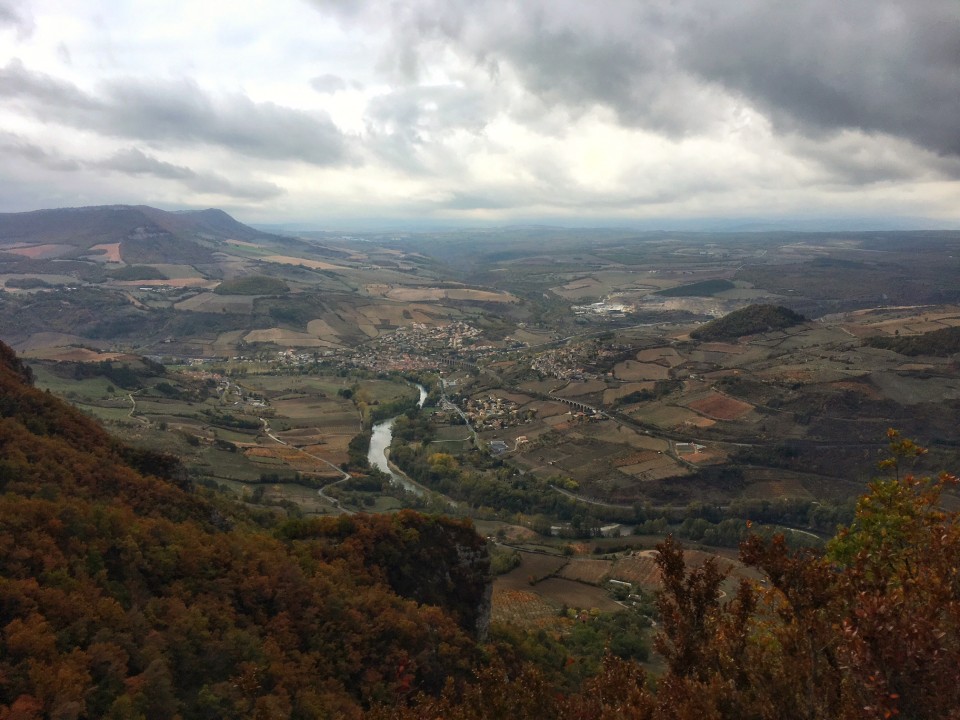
(322, 491)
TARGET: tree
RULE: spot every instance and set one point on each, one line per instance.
(869, 629)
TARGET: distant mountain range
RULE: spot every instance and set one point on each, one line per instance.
(87, 226)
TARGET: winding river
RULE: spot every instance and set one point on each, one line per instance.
(380, 443)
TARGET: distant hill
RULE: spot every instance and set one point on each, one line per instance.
(938, 343)
(747, 321)
(146, 234)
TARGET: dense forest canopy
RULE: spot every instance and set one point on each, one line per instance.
(939, 343)
(747, 321)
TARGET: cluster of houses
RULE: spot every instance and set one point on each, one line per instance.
(495, 413)
(570, 362)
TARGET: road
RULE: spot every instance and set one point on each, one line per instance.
(322, 491)
(133, 409)
(447, 404)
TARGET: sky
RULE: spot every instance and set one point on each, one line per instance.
(327, 112)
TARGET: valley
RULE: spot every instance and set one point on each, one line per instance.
(581, 399)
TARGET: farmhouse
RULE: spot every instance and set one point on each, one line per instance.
(498, 447)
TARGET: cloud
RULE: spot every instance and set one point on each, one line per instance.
(15, 146)
(12, 15)
(134, 162)
(483, 108)
(682, 67)
(852, 159)
(178, 111)
(880, 66)
(328, 83)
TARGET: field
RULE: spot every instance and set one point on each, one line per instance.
(638, 568)
(312, 264)
(73, 354)
(523, 607)
(611, 395)
(720, 407)
(578, 389)
(663, 355)
(653, 467)
(283, 337)
(587, 570)
(452, 439)
(531, 594)
(559, 591)
(634, 371)
(467, 294)
(109, 252)
(604, 282)
(41, 252)
(670, 417)
(209, 302)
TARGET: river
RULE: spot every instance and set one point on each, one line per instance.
(379, 444)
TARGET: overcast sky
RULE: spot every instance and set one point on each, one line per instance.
(473, 110)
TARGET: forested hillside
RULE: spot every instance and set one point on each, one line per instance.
(124, 595)
(939, 343)
(747, 321)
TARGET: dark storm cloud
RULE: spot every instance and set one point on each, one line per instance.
(881, 67)
(847, 160)
(178, 111)
(814, 67)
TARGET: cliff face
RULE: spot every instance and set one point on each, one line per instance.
(123, 594)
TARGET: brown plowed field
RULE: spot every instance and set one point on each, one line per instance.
(720, 407)
(522, 607)
(41, 252)
(637, 569)
(111, 251)
(587, 570)
(633, 371)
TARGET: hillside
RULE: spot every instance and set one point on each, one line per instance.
(143, 235)
(938, 343)
(748, 321)
(124, 594)
(86, 226)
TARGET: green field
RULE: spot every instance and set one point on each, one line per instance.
(704, 288)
